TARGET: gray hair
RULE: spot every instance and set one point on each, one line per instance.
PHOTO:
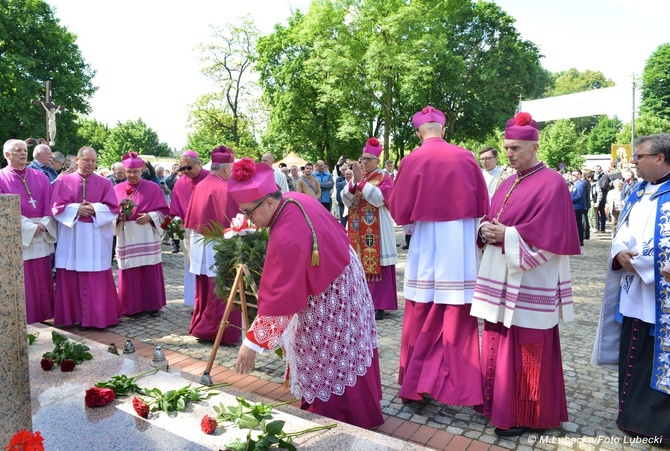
(10, 146)
(660, 144)
(431, 127)
(117, 165)
(80, 152)
(626, 173)
(58, 157)
(40, 148)
(618, 182)
(220, 166)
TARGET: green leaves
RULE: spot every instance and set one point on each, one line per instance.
(67, 350)
(124, 385)
(177, 400)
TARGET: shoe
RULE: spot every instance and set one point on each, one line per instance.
(581, 243)
(511, 432)
(379, 315)
(405, 247)
(155, 313)
(175, 250)
(81, 328)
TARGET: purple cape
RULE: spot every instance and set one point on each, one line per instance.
(147, 195)
(210, 201)
(181, 193)
(68, 189)
(39, 186)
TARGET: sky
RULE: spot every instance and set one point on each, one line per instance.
(146, 62)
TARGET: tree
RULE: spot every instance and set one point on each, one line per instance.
(645, 124)
(560, 143)
(222, 114)
(92, 133)
(34, 48)
(573, 81)
(656, 83)
(131, 136)
(603, 135)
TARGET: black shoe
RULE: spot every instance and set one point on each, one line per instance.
(154, 313)
(405, 247)
(511, 432)
(81, 328)
(379, 315)
(581, 243)
(175, 250)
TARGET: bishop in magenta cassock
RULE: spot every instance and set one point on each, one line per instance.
(440, 191)
(524, 288)
(138, 248)
(192, 174)
(38, 229)
(209, 203)
(370, 226)
(319, 307)
(85, 206)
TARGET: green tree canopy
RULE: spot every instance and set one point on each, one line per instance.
(35, 48)
(645, 124)
(656, 83)
(131, 136)
(560, 143)
(91, 133)
(572, 81)
(603, 135)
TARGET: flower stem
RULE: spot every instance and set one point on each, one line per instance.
(310, 430)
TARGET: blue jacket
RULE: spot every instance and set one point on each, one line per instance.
(340, 184)
(578, 194)
(327, 183)
(47, 170)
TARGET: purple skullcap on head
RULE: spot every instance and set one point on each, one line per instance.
(222, 154)
(250, 181)
(190, 153)
(428, 114)
(373, 147)
(522, 127)
(132, 161)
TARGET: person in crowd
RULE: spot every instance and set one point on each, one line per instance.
(70, 162)
(307, 184)
(85, 206)
(287, 173)
(633, 329)
(342, 161)
(319, 309)
(389, 169)
(295, 176)
(58, 162)
(210, 202)
(42, 159)
(38, 229)
(579, 193)
(339, 185)
(173, 177)
(192, 174)
(139, 233)
(149, 173)
(326, 184)
(596, 196)
(162, 177)
(629, 184)
(493, 174)
(439, 350)
(269, 159)
(603, 181)
(370, 227)
(615, 202)
(118, 174)
(524, 288)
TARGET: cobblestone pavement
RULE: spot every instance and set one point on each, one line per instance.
(591, 390)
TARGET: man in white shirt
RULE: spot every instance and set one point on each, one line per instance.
(493, 174)
(280, 178)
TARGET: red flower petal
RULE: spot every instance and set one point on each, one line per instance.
(244, 169)
(47, 364)
(208, 424)
(129, 191)
(98, 397)
(141, 407)
(523, 118)
(67, 365)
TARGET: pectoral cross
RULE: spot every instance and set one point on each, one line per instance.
(32, 202)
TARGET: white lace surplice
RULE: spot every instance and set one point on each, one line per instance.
(331, 341)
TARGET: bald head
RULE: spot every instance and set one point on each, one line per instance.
(43, 154)
(268, 158)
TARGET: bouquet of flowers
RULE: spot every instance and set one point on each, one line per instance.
(174, 227)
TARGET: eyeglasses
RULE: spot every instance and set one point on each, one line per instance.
(366, 159)
(251, 212)
(638, 156)
(185, 168)
(487, 158)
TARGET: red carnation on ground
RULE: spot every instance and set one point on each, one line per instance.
(98, 397)
(523, 118)
(208, 424)
(373, 142)
(141, 407)
(47, 364)
(26, 441)
(67, 365)
(244, 169)
(129, 191)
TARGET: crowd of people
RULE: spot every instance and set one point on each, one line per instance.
(497, 249)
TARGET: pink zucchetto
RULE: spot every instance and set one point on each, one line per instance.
(428, 114)
(222, 154)
(132, 161)
(190, 153)
(373, 147)
(522, 127)
(250, 181)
